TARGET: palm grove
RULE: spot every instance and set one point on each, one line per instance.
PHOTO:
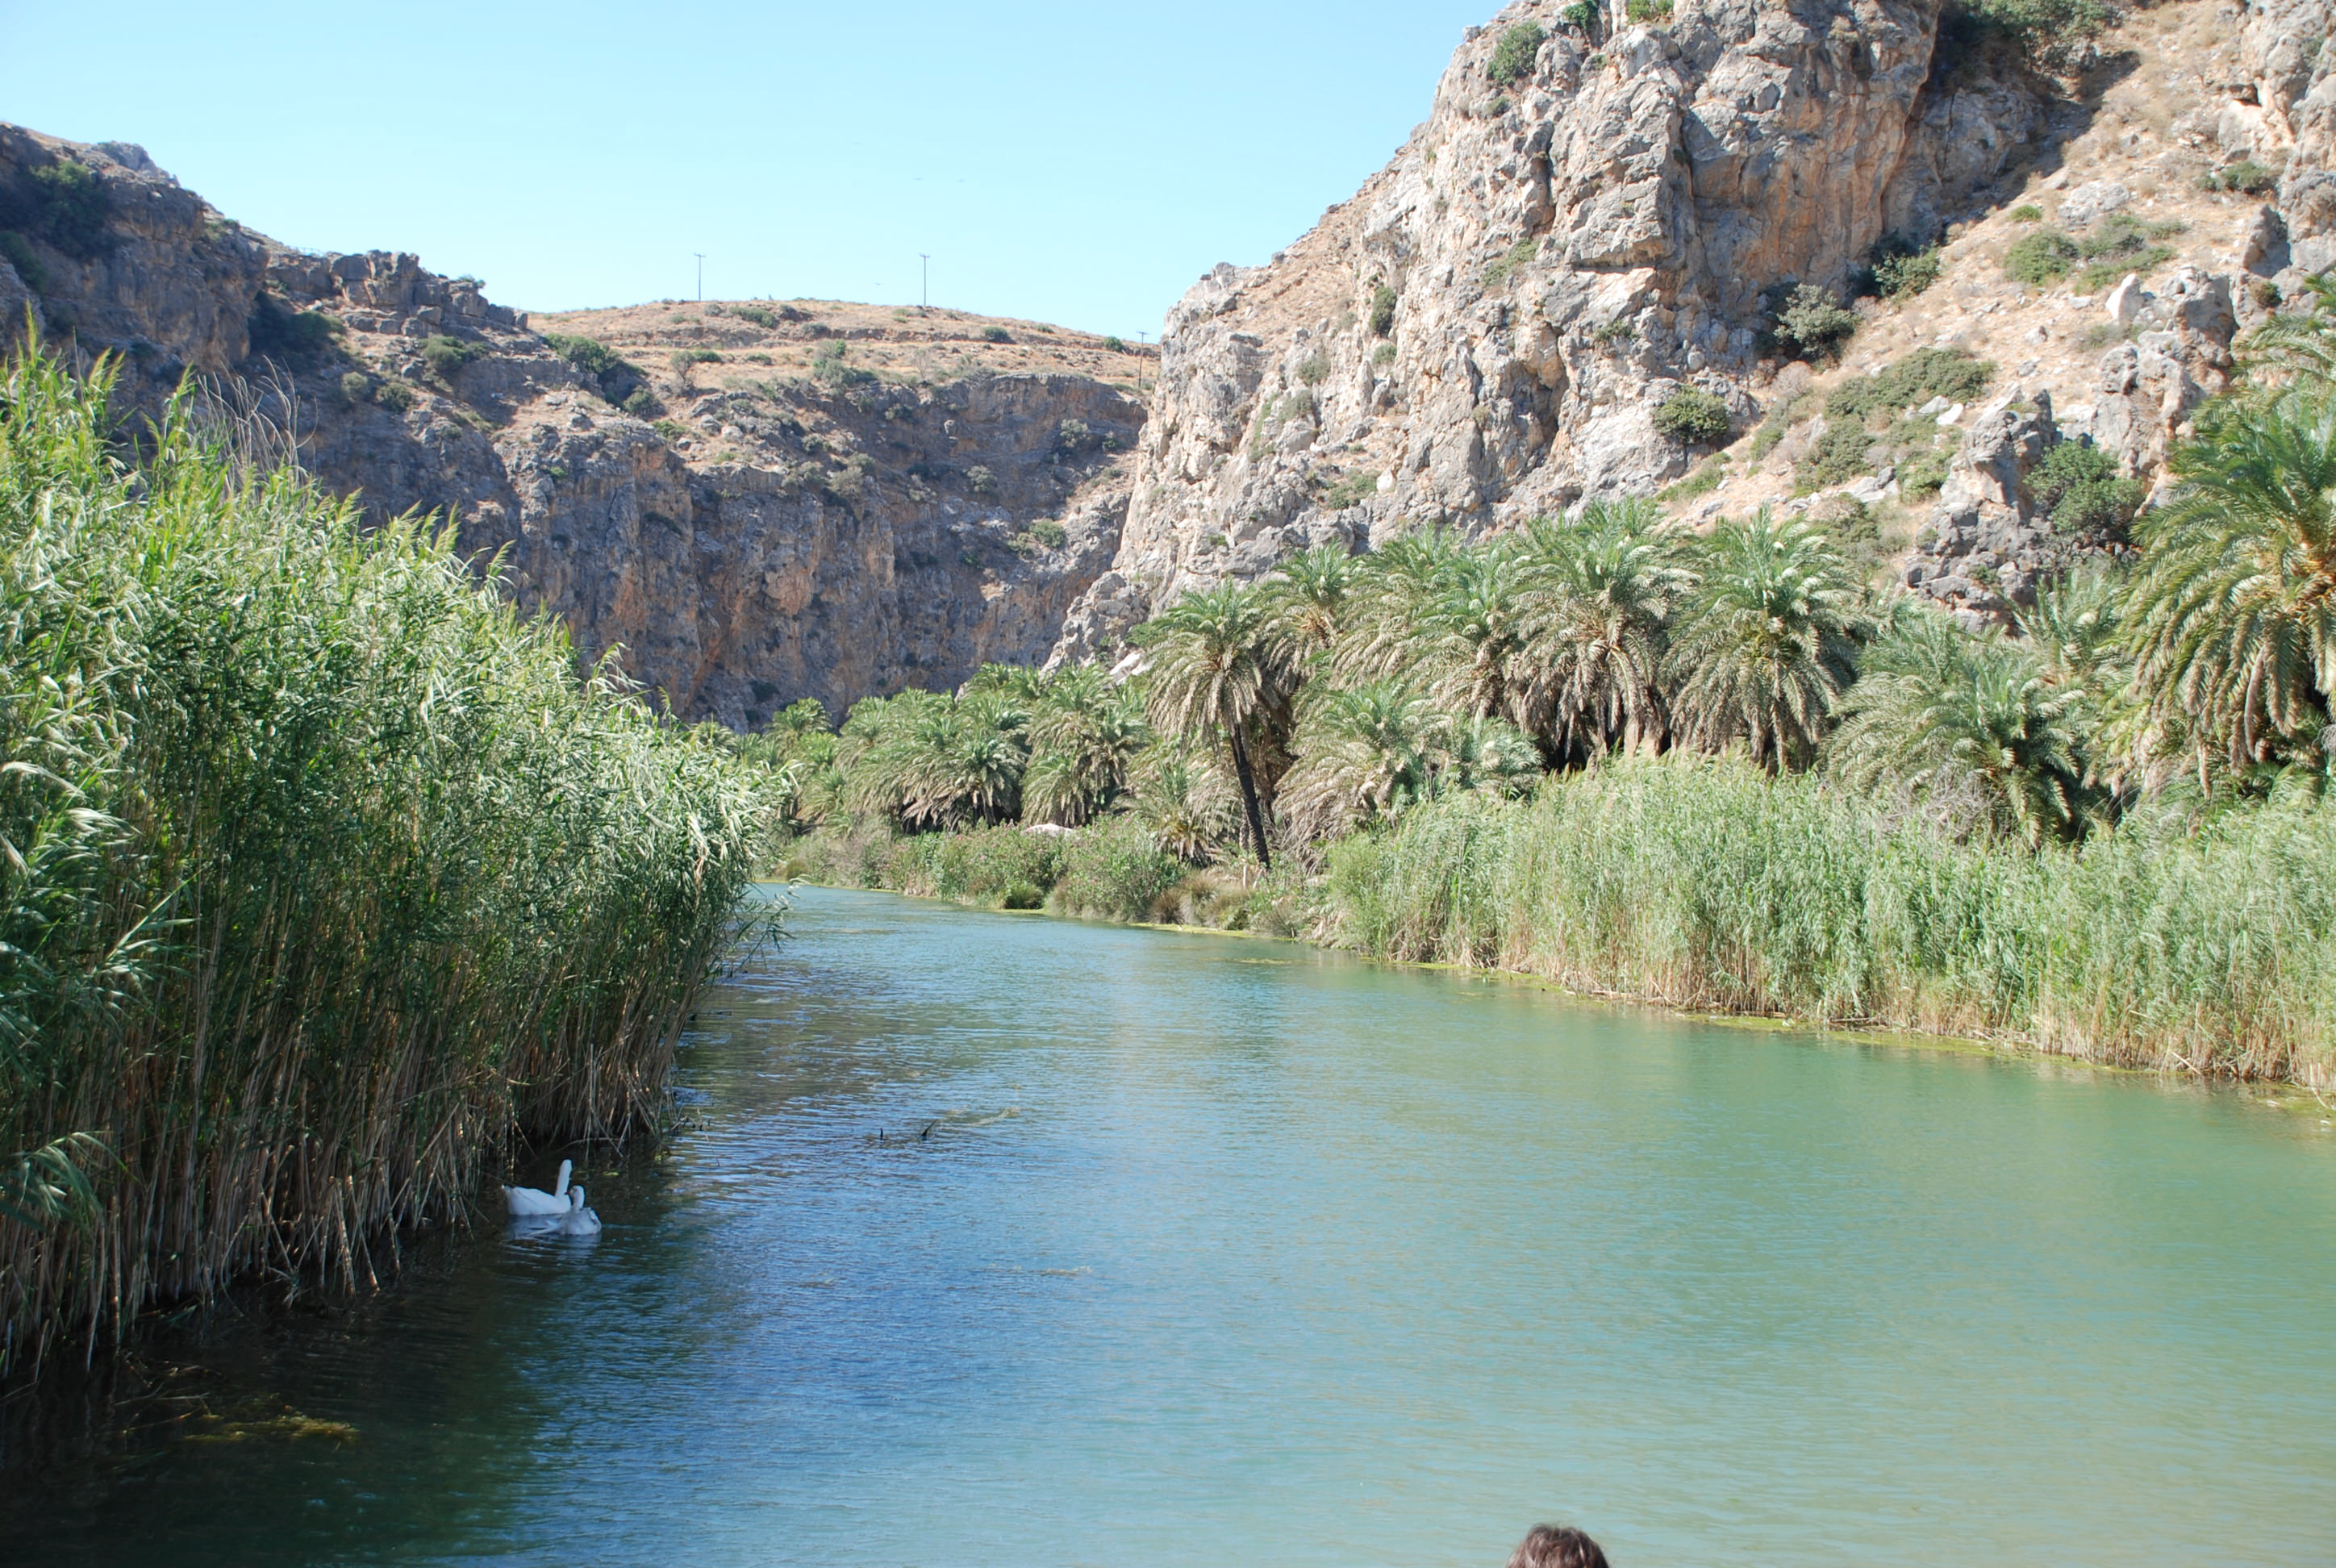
(1388, 750)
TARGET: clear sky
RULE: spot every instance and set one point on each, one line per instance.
(1077, 163)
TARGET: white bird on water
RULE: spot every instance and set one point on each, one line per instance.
(534, 1203)
(579, 1221)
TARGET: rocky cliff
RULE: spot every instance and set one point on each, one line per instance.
(1587, 224)
(757, 502)
(761, 501)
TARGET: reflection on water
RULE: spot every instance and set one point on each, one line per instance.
(1010, 1242)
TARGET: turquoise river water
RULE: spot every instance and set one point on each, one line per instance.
(1006, 1241)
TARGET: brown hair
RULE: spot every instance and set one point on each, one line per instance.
(1557, 1546)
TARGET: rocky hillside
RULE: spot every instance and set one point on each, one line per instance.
(1602, 214)
(758, 500)
(1842, 255)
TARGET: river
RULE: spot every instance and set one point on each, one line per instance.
(1008, 1241)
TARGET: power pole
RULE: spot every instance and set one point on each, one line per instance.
(701, 275)
(925, 296)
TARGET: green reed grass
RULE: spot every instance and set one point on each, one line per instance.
(1706, 883)
(322, 875)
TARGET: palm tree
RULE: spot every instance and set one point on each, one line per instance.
(2077, 629)
(1968, 727)
(1183, 804)
(1085, 739)
(1601, 591)
(979, 771)
(930, 760)
(1393, 587)
(1311, 596)
(1766, 644)
(1218, 671)
(2297, 347)
(1473, 626)
(1363, 756)
(1490, 754)
(2234, 614)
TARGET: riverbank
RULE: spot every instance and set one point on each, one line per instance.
(327, 878)
(1707, 885)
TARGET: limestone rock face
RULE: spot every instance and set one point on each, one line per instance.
(173, 283)
(2280, 113)
(1487, 330)
(1987, 547)
(1986, 544)
(800, 539)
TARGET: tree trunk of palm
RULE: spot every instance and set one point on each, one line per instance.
(1249, 800)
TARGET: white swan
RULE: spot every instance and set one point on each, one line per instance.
(529, 1203)
(579, 1221)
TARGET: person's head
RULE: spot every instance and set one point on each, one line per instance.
(1557, 1546)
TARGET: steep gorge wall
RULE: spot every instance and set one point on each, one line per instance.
(748, 549)
(1566, 251)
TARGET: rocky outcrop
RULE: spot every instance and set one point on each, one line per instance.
(1488, 329)
(1987, 545)
(744, 546)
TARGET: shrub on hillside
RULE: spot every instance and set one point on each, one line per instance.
(2084, 491)
(831, 366)
(1504, 267)
(446, 355)
(1382, 317)
(588, 355)
(2245, 175)
(2122, 243)
(1348, 489)
(1839, 454)
(279, 331)
(2026, 212)
(63, 204)
(2047, 256)
(994, 333)
(1813, 323)
(1692, 418)
(2052, 35)
(1925, 373)
(1515, 55)
(20, 255)
(1902, 272)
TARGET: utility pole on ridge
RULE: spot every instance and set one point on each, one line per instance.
(925, 292)
(701, 275)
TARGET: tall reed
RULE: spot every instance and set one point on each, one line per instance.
(322, 873)
(1707, 883)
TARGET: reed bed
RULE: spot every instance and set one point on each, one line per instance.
(324, 875)
(1706, 883)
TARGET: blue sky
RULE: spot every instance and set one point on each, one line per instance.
(1074, 164)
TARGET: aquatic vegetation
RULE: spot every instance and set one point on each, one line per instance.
(1708, 883)
(325, 872)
